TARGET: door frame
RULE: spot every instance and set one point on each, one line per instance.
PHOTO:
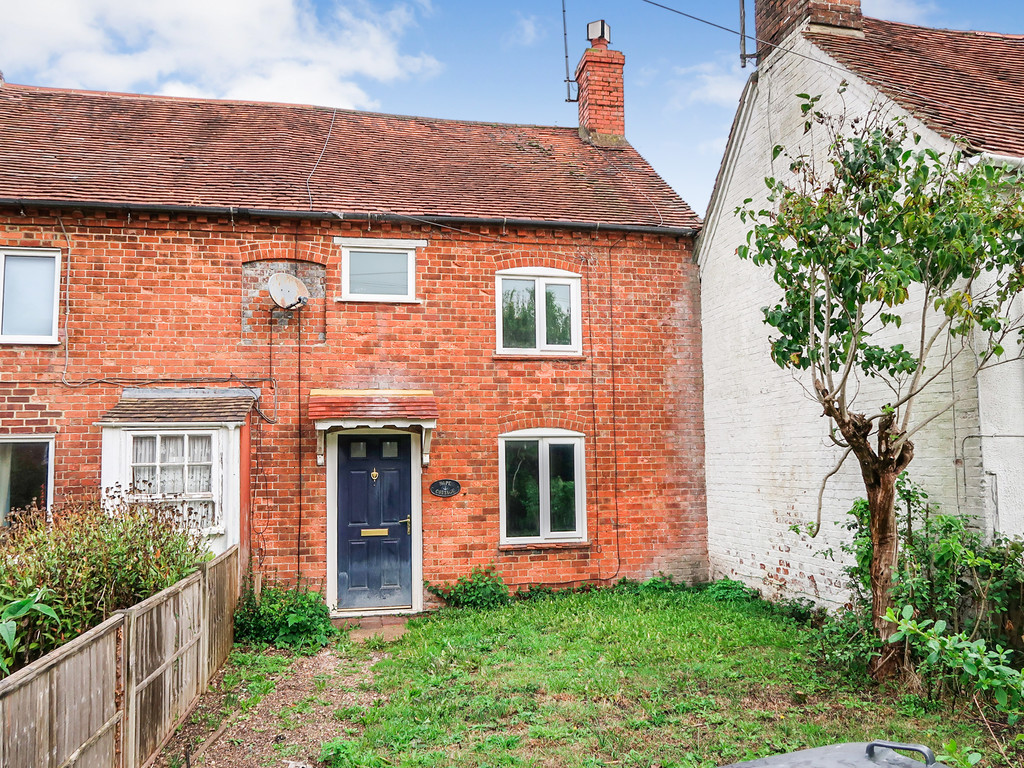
(416, 491)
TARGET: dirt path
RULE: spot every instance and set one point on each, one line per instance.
(308, 705)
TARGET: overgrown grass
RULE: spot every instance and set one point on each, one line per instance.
(649, 676)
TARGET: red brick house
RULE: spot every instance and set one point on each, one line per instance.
(371, 349)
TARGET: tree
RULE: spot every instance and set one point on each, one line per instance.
(895, 263)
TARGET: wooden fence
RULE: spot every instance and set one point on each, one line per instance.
(113, 696)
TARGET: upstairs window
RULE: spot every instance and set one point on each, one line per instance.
(378, 270)
(538, 312)
(29, 282)
(542, 486)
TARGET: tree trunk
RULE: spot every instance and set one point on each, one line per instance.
(885, 549)
(879, 467)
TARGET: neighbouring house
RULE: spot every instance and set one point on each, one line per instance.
(767, 445)
(371, 349)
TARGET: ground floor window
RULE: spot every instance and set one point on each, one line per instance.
(25, 472)
(542, 486)
(178, 468)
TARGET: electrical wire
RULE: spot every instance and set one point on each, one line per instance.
(740, 34)
(309, 192)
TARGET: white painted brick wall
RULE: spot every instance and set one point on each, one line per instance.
(767, 446)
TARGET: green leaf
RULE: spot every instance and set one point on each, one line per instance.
(8, 631)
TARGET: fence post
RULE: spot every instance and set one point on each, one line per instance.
(130, 739)
(204, 632)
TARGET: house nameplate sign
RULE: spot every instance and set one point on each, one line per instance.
(445, 488)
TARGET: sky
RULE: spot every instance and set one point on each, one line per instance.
(460, 59)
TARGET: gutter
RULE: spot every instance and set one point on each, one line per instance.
(1010, 160)
(232, 211)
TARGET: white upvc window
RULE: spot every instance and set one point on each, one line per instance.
(542, 486)
(538, 311)
(26, 473)
(180, 469)
(29, 295)
(378, 270)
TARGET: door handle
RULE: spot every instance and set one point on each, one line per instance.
(408, 524)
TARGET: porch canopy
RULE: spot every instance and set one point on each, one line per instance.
(372, 409)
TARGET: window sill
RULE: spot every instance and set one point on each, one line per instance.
(540, 545)
(44, 341)
(574, 357)
(371, 300)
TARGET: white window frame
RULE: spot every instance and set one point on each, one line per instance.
(546, 437)
(378, 245)
(216, 494)
(50, 441)
(54, 253)
(542, 277)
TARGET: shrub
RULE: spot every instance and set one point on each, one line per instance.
(481, 588)
(945, 571)
(96, 558)
(287, 617)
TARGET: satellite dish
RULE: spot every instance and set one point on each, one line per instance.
(287, 291)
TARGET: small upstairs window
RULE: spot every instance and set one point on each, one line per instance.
(29, 284)
(538, 312)
(378, 270)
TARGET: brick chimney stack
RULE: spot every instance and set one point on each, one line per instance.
(599, 76)
(774, 20)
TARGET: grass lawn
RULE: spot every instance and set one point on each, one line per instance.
(608, 678)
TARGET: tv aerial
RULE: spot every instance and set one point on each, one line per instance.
(287, 291)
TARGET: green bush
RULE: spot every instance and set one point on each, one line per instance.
(287, 617)
(945, 571)
(96, 558)
(481, 588)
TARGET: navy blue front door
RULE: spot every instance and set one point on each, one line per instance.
(374, 521)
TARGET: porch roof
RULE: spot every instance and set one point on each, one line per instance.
(415, 405)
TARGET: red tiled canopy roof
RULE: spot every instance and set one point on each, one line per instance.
(87, 147)
(968, 84)
(227, 410)
(376, 404)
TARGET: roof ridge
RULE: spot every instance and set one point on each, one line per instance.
(258, 103)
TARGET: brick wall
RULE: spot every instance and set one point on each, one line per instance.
(601, 104)
(774, 20)
(180, 300)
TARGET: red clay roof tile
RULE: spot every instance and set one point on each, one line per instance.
(372, 404)
(169, 410)
(79, 146)
(968, 84)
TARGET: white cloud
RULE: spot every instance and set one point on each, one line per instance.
(910, 11)
(528, 30)
(281, 50)
(710, 82)
(714, 147)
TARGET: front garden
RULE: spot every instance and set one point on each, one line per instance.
(650, 674)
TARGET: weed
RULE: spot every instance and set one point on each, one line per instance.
(341, 753)
(481, 588)
(295, 617)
